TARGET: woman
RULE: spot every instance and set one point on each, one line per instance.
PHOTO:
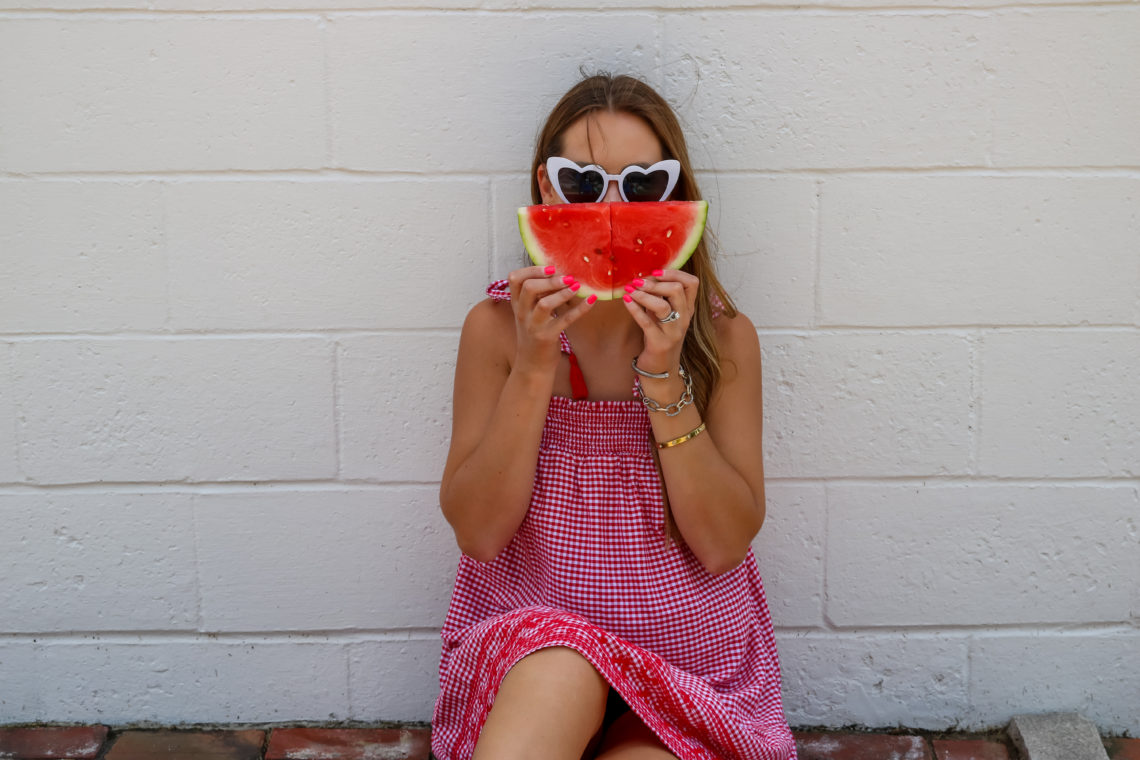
(608, 604)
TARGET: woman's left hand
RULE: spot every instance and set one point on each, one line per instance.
(656, 300)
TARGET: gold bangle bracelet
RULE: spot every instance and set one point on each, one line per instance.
(686, 437)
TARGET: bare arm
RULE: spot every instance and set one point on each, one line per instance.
(715, 481)
(504, 377)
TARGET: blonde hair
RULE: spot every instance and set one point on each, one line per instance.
(699, 354)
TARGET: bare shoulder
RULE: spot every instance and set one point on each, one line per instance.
(738, 344)
(489, 329)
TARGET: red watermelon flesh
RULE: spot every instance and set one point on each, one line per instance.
(606, 245)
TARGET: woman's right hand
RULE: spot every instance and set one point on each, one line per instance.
(539, 297)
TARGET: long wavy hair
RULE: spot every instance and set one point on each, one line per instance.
(627, 94)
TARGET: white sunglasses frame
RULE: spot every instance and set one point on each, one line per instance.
(670, 166)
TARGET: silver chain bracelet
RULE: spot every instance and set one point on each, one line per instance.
(675, 408)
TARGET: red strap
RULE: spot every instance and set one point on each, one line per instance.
(578, 390)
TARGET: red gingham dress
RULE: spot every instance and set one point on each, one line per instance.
(589, 568)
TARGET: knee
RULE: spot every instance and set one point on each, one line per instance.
(563, 667)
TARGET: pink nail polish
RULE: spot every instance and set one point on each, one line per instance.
(628, 288)
(567, 279)
(638, 282)
(658, 272)
(549, 270)
(575, 286)
(627, 298)
(593, 297)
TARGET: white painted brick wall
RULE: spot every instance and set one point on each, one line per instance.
(238, 239)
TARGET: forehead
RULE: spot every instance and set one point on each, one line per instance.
(611, 139)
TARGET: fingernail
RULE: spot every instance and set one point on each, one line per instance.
(567, 279)
(658, 272)
(638, 282)
(627, 298)
(628, 288)
(593, 297)
(549, 270)
(575, 286)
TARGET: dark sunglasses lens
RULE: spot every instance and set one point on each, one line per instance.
(642, 186)
(581, 187)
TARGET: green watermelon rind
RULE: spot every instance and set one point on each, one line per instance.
(694, 240)
(685, 252)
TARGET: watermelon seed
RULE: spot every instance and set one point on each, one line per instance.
(639, 241)
(586, 259)
(669, 233)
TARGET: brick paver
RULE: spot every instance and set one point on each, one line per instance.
(1123, 749)
(349, 744)
(71, 743)
(188, 745)
(969, 749)
(828, 746)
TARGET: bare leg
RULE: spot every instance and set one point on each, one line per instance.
(630, 739)
(549, 705)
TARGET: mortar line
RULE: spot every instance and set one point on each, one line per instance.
(418, 11)
(492, 213)
(817, 245)
(190, 334)
(825, 542)
(330, 174)
(337, 637)
(326, 31)
(337, 448)
(199, 620)
(370, 486)
(976, 346)
(451, 332)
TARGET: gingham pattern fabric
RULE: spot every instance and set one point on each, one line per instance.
(590, 568)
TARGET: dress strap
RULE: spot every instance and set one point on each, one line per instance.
(499, 290)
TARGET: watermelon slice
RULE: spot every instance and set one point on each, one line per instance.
(606, 245)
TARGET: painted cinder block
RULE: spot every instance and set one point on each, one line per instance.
(96, 562)
(482, 84)
(965, 250)
(873, 680)
(333, 254)
(867, 404)
(930, 555)
(765, 250)
(22, 700)
(161, 93)
(200, 409)
(830, 90)
(81, 256)
(1060, 403)
(507, 195)
(372, 559)
(394, 401)
(434, 5)
(394, 679)
(1089, 672)
(908, 90)
(789, 552)
(1058, 97)
(176, 681)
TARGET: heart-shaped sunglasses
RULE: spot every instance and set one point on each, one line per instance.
(587, 184)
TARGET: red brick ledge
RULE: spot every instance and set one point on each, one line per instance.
(411, 742)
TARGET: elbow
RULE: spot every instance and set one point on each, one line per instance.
(478, 548)
(724, 563)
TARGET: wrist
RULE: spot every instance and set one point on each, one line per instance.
(533, 373)
(657, 363)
